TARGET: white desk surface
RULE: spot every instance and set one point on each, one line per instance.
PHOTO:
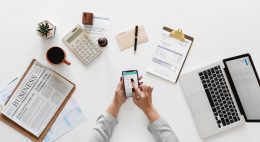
(220, 28)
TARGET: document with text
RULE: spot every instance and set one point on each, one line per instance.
(37, 98)
(70, 117)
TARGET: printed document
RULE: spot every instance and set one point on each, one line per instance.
(37, 98)
(70, 117)
(169, 57)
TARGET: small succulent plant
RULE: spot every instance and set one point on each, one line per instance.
(46, 29)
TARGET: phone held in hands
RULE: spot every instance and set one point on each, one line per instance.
(127, 75)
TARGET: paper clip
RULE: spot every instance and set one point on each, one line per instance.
(177, 34)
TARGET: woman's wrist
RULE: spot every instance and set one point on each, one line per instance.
(114, 108)
(152, 114)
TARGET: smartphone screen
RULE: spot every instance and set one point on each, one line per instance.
(127, 75)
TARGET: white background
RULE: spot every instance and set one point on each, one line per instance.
(221, 28)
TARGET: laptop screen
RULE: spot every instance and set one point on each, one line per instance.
(246, 82)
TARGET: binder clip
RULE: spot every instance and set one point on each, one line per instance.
(177, 34)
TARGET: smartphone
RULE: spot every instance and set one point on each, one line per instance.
(127, 75)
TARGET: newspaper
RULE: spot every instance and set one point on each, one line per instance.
(70, 117)
(37, 98)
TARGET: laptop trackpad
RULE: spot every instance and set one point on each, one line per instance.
(198, 103)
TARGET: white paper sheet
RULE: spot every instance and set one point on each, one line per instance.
(6, 92)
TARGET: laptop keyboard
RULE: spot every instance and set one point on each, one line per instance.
(219, 96)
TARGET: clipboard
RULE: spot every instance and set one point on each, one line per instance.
(23, 131)
(164, 68)
(179, 35)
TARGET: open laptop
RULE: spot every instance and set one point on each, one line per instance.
(223, 95)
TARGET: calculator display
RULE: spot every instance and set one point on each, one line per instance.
(76, 34)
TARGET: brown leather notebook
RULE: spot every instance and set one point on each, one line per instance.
(22, 130)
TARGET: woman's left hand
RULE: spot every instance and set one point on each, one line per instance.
(119, 98)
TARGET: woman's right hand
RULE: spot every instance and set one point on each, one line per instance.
(142, 96)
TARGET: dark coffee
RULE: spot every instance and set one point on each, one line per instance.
(55, 55)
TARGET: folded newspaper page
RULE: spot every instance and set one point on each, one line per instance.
(37, 98)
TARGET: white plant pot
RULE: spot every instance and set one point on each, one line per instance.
(51, 33)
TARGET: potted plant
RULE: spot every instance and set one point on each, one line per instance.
(46, 29)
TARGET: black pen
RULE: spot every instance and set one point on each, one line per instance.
(136, 34)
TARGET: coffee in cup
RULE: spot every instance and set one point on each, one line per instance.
(56, 56)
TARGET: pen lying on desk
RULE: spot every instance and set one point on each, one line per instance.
(136, 34)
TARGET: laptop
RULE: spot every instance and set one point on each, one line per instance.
(223, 95)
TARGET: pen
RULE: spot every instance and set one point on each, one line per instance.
(136, 34)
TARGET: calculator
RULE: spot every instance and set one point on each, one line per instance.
(82, 45)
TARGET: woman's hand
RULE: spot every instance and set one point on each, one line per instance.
(119, 98)
(142, 96)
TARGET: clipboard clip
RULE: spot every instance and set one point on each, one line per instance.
(177, 34)
(1, 109)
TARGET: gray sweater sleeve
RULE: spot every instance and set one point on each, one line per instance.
(106, 124)
(104, 128)
(162, 131)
